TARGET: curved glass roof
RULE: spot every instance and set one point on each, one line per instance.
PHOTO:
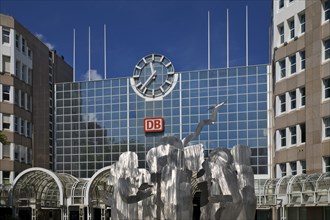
(53, 190)
(40, 186)
(97, 185)
(313, 189)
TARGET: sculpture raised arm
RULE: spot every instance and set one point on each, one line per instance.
(201, 124)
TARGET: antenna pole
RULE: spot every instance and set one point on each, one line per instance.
(105, 53)
(247, 37)
(208, 42)
(74, 55)
(227, 37)
(89, 53)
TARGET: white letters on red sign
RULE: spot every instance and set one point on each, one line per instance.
(153, 125)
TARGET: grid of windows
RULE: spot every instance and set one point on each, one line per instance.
(98, 120)
(294, 134)
(296, 62)
(290, 101)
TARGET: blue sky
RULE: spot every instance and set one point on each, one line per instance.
(176, 29)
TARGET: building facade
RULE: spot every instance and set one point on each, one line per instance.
(98, 120)
(301, 103)
(28, 71)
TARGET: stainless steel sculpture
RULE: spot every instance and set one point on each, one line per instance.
(225, 180)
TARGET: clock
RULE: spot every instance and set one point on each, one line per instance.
(153, 77)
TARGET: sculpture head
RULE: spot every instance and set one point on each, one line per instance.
(127, 164)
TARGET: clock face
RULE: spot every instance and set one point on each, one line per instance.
(153, 76)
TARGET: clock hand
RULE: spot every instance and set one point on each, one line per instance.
(152, 68)
(151, 77)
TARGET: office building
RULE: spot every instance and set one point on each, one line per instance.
(28, 72)
(301, 110)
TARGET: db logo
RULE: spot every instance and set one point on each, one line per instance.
(153, 125)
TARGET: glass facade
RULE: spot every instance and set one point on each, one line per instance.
(98, 120)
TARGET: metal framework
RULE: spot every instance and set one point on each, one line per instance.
(298, 190)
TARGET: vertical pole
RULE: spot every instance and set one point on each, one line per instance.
(227, 37)
(247, 37)
(105, 53)
(208, 42)
(74, 55)
(89, 53)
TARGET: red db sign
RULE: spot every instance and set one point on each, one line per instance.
(153, 125)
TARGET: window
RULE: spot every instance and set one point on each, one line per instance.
(28, 129)
(16, 96)
(28, 102)
(23, 45)
(18, 69)
(283, 169)
(293, 133)
(6, 121)
(5, 35)
(282, 103)
(6, 64)
(303, 133)
(29, 53)
(291, 27)
(16, 124)
(282, 68)
(283, 137)
(326, 10)
(326, 164)
(293, 167)
(302, 19)
(326, 88)
(302, 58)
(293, 64)
(22, 127)
(24, 73)
(22, 100)
(5, 93)
(292, 99)
(327, 49)
(303, 96)
(17, 41)
(29, 77)
(281, 4)
(281, 33)
(6, 177)
(303, 166)
(326, 122)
